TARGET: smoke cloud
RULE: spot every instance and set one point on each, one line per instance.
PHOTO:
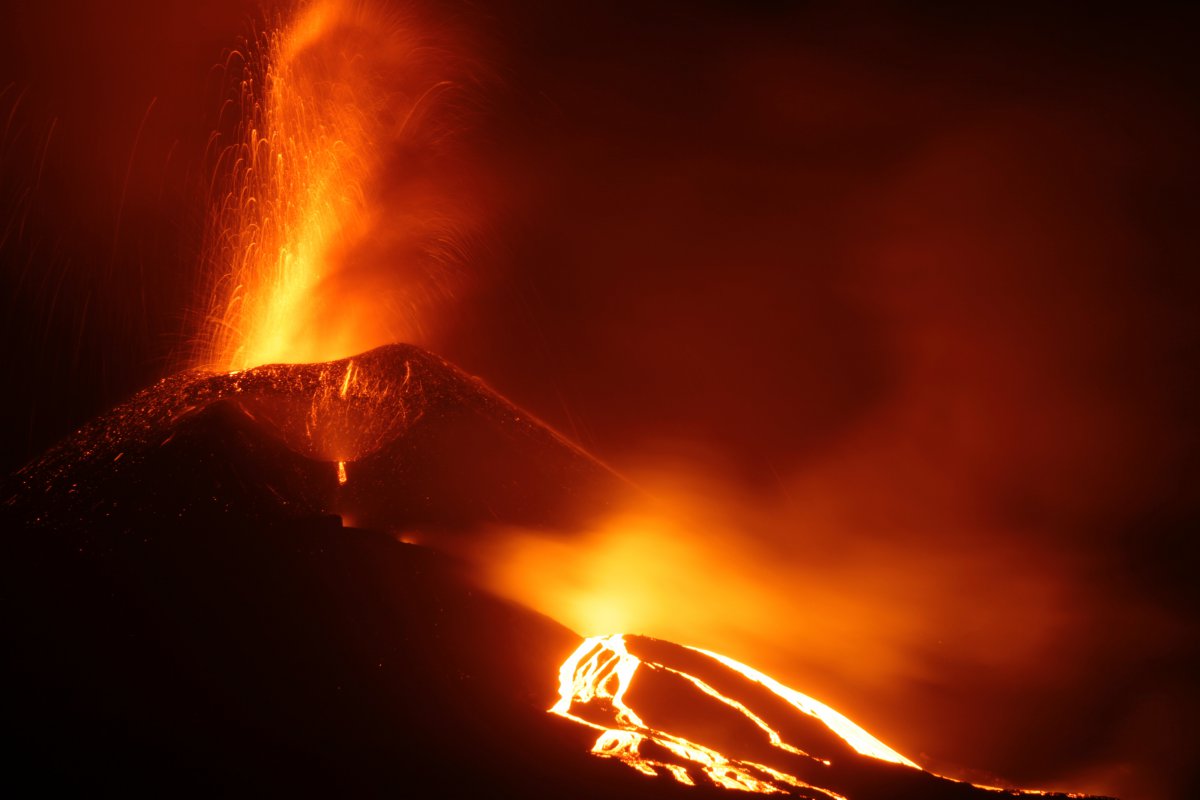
(891, 311)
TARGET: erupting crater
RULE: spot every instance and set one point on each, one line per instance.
(180, 566)
(211, 585)
(395, 439)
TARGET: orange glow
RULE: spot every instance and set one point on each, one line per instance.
(804, 589)
(314, 264)
(341, 472)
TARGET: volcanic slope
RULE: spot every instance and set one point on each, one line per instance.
(394, 439)
(186, 612)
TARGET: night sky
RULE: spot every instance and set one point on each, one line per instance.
(897, 301)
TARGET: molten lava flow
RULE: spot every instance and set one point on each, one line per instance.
(594, 680)
(857, 738)
(314, 262)
(748, 721)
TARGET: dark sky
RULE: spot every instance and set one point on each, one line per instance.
(906, 283)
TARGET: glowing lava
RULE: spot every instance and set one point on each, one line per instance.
(594, 681)
(702, 717)
(312, 263)
(855, 736)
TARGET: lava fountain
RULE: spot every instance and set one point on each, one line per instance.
(338, 106)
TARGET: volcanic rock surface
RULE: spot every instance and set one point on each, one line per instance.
(424, 446)
(186, 613)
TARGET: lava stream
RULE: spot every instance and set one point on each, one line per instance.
(855, 736)
(749, 750)
(596, 677)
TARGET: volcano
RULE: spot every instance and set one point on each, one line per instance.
(211, 589)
